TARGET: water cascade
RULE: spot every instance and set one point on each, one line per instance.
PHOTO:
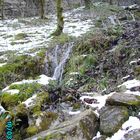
(58, 71)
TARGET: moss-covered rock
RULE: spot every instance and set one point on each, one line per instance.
(31, 130)
(20, 36)
(112, 118)
(20, 67)
(83, 126)
(124, 99)
(25, 91)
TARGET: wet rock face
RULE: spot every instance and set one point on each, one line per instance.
(124, 99)
(132, 135)
(83, 126)
(112, 118)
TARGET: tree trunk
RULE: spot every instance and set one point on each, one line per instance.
(87, 4)
(42, 11)
(110, 2)
(2, 9)
(60, 21)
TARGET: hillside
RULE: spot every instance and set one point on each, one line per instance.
(81, 85)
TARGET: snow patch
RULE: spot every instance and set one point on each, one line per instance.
(97, 136)
(74, 112)
(30, 101)
(131, 83)
(100, 101)
(38, 121)
(2, 64)
(2, 110)
(43, 80)
(13, 91)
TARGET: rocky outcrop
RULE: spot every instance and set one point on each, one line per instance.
(83, 126)
(112, 118)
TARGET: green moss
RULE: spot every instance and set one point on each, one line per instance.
(31, 130)
(42, 97)
(25, 91)
(9, 100)
(85, 131)
(76, 106)
(58, 136)
(48, 118)
(21, 109)
(116, 31)
(61, 39)
(20, 67)
(137, 71)
(20, 36)
(82, 63)
(40, 139)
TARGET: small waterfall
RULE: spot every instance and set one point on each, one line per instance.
(58, 71)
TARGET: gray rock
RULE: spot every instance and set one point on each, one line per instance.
(83, 126)
(112, 118)
(132, 135)
(124, 99)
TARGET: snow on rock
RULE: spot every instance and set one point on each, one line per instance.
(133, 92)
(97, 136)
(18, 83)
(44, 80)
(13, 91)
(2, 110)
(38, 121)
(2, 64)
(126, 77)
(96, 102)
(30, 101)
(74, 73)
(74, 112)
(131, 124)
(131, 83)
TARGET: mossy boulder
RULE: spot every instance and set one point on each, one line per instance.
(112, 118)
(84, 126)
(31, 130)
(124, 99)
(20, 36)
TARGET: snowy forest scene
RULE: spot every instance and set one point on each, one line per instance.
(69, 69)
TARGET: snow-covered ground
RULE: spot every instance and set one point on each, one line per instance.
(38, 36)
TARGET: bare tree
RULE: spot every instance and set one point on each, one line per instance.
(110, 2)
(60, 19)
(2, 8)
(42, 11)
(87, 4)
